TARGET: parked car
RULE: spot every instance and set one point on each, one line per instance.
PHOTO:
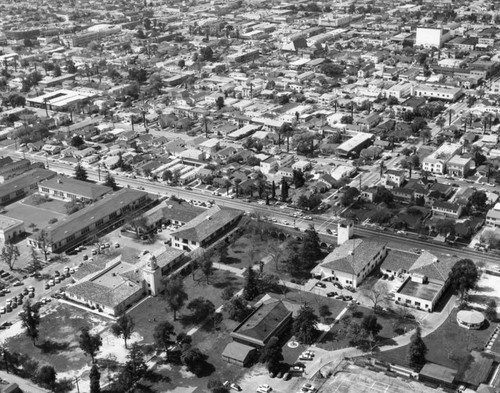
(329, 231)
(321, 284)
(331, 294)
(236, 387)
(338, 285)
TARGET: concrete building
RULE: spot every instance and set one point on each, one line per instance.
(493, 216)
(429, 37)
(355, 144)
(23, 185)
(69, 189)
(10, 229)
(101, 217)
(205, 228)
(445, 93)
(436, 161)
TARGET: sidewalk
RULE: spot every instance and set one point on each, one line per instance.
(25, 385)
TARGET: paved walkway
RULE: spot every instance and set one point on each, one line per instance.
(25, 385)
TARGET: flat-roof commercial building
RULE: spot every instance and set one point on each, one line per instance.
(355, 144)
(69, 189)
(25, 184)
(92, 220)
(10, 228)
(59, 100)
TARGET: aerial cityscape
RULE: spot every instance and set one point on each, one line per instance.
(236, 196)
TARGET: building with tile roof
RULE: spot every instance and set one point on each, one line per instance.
(113, 286)
(205, 228)
(270, 319)
(351, 261)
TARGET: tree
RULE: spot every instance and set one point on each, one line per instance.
(206, 53)
(162, 334)
(30, 318)
(251, 289)
(174, 294)
(377, 293)
(216, 386)
(89, 343)
(181, 63)
(349, 195)
(95, 376)
(220, 102)
(491, 310)
(324, 311)
(463, 277)
(298, 179)
(124, 327)
(138, 224)
(346, 119)
(440, 122)
(479, 200)
(271, 354)
(110, 182)
(275, 252)
(305, 325)
(446, 226)
(47, 377)
(227, 293)
(77, 141)
(206, 265)
(80, 173)
(135, 368)
(35, 261)
(194, 360)
(371, 326)
(183, 339)
(237, 308)
(310, 251)
(417, 350)
(383, 195)
(44, 243)
(9, 255)
(200, 308)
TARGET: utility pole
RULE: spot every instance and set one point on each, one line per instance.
(76, 383)
(99, 171)
(47, 160)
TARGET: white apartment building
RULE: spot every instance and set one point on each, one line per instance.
(436, 162)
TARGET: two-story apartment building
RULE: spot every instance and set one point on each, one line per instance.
(493, 216)
(393, 178)
(447, 209)
(68, 189)
(436, 161)
(205, 228)
(458, 166)
(93, 220)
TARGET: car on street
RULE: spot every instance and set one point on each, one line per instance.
(336, 284)
(321, 284)
(236, 387)
(331, 294)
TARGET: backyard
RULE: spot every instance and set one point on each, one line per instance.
(450, 345)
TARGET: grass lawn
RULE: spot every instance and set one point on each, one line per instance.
(245, 249)
(210, 343)
(335, 339)
(450, 345)
(58, 339)
(54, 205)
(154, 310)
(37, 215)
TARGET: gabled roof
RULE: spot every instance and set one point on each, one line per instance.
(207, 223)
(433, 267)
(353, 255)
(263, 322)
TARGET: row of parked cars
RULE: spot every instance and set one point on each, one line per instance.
(18, 300)
(60, 276)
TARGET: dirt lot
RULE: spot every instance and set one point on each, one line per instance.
(488, 287)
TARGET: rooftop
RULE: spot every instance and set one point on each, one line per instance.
(7, 222)
(77, 187)
(426, 291)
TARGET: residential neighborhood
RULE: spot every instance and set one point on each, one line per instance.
(247, 196)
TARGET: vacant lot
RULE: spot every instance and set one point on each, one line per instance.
(450, 345)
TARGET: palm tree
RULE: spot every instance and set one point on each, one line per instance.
(451, 112)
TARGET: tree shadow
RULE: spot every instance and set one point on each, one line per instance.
(52, 347)
(154, 377)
